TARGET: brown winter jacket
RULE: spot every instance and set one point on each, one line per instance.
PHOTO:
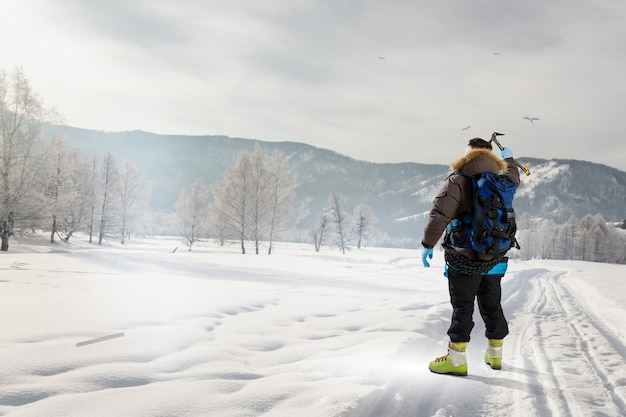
(456, 195)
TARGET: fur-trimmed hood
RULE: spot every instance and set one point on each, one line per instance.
(477, 161)
(456, 194)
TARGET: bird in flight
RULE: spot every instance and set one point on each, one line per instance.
(496, 53)
(531, 119)
(466, 128)
(381, 57)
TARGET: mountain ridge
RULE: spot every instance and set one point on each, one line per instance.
(400, 194)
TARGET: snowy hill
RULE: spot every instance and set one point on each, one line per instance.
(400, 194)
(140, 331)
(561, 188)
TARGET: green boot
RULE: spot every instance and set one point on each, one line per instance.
(493, 354)
(454, 363)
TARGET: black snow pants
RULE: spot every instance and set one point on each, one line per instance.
(464, 289)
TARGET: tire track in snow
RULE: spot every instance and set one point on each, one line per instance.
(555, 400)
(537, 390)
(591, 339)
(571, 351)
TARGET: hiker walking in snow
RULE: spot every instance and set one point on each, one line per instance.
(471, 274)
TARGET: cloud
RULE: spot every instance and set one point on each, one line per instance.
(310, 71)
(127, 22)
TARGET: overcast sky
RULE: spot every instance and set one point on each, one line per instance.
(382, 81)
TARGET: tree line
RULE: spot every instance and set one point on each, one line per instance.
(256, 201)
(252, 203)
(587, 239)
(46, 185)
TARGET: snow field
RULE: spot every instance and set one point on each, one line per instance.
(214, 332)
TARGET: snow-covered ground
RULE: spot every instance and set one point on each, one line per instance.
(215, 333)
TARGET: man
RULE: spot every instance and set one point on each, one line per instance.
(464, 283)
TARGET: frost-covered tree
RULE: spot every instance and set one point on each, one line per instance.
(585, 247)
(364, 220)
(545, 245)
(134, 195)
(190, 212)
(282, 184)
(69, 183)
(340, 219)
(56, 183)
(567, 235)
(78, 198)
(23, 154)
(109, 195)
(258, 196)
(92, 193)
(255, 198)
(319, 233)
(588, 239)
(217, 223)
(231, 200)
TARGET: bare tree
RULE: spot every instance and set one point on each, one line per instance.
(320, 231)
(60, 184)
(92, 193)
(69, 181)
(56, 183)
(134, 193)
(110, 180)
(364, 223)
(340, 219)
(190, 211)
(255, 198)
(22, 153)
(217, 221)
(259, 196)
(77, 198)
(231, 200)
(584, 245)
(282, 183)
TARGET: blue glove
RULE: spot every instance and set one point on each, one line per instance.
(427, 254)
(506, 153)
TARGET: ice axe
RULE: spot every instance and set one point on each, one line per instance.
(494, 138)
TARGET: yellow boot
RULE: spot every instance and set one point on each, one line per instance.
(454, 363)
(493, 354)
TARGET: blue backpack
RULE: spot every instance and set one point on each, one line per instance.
(490, 226)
